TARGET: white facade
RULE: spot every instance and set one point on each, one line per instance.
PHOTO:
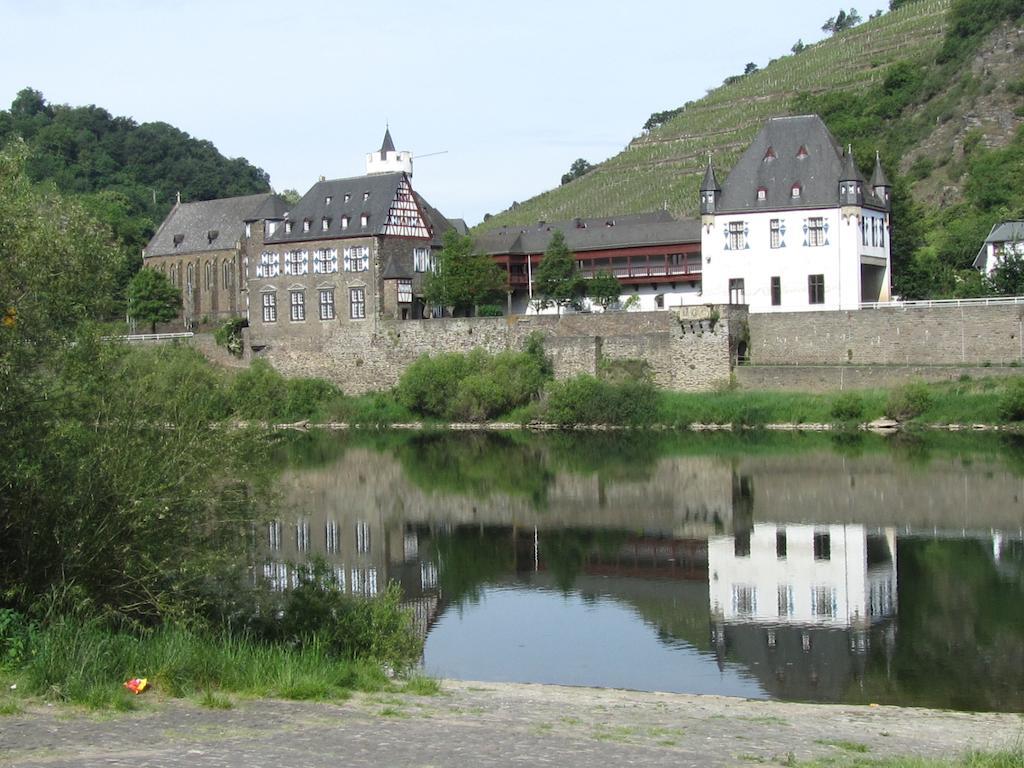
(801, 574)
(391, 162)
(816, 259)
(649, 298)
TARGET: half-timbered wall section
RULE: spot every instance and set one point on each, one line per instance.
(404, 218)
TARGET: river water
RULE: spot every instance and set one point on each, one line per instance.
(796, 567)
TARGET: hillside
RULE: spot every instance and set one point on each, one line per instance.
(936, 86)
(664, 167)
(124, 173)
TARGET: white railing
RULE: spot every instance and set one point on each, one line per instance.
(927, 303)
(150, 337)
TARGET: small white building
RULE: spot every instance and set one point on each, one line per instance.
(795, 227)
(1006, 238)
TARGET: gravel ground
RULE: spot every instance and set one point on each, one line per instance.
(492, 724)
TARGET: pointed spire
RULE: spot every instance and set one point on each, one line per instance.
(850, 172)
(878, 178)
(710, 182)
(387, 145)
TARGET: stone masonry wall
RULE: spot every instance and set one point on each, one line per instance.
(835, 378)
(945, 335)
(693, 353)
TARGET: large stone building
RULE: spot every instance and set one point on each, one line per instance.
(204, 248)
(349, 251)
(795, 226)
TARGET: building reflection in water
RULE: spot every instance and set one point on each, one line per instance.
(800, 605)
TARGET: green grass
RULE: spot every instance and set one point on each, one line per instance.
(10, 707)
(87, 665)
(847, 746)
(1006, 759)
(421, 685)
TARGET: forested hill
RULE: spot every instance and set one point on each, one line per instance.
(124, 173)
(937, 86)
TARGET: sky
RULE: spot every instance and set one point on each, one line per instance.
(510, 93)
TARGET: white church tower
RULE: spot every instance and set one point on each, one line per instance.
(387, 159)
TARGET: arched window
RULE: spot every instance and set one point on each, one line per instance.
(228, 275)
(209, 276)
(191, 277)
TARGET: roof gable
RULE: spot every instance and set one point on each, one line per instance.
(210, 225)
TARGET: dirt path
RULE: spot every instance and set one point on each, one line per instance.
(492, 724)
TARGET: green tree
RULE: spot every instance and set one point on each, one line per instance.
(580, 167)
(841, 22)
(152, 299)
(1007, 279)
(557, 278)
(603, 289)
(464, 278)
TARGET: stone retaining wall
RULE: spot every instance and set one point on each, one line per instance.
(691, 353)
(944, 335)
(833, 378)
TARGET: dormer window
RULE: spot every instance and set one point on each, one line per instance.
(796, 192)
(178, 240)
(347, 198)
(762, 194)
(325, 223)
(366, 196)
(305, 225)
(344, 221)
(287, 227)
(801, 153)
(212, 235)
(327, 200)
(769, 155)
(364, 220)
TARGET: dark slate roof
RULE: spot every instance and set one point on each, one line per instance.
(592, 234)
(194, 223)
(387, 145)
(381, 190)
(777, 171)
(435, 220)
(710, 182)
(1006, 232)
(460, 226)
(850, 172)
(275, 207)
(878, 178)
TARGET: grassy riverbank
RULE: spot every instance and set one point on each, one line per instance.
(520, 388)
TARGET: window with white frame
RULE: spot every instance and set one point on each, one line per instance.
(815, 231)
(404, 291)
(362, 537)
(270, 265)
(795, 192)
(305, 225)
(864, 231)
(325, 261)
(785, 601)
(737, 240)
(421, 260)
(302, 535)
(357, 303)
(298, 305)
(823, 602)
(326, 303)
(333, 536)
(744, 600)
(269, 307)
(776, 233)
(296, 262)
(357, 258)
(325, 223)
(287, 227)
(364, 220)
(344, 222)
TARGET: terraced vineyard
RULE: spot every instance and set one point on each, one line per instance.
(663, 168)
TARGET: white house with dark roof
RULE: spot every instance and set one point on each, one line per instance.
(795, 227)
(1006, 238)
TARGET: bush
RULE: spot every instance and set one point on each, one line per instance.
(848, 406)
(489, 310)
(471, 387)
(258, 391)
(909, 401)
(1011, 403)
(588, 400)
(229, 335)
